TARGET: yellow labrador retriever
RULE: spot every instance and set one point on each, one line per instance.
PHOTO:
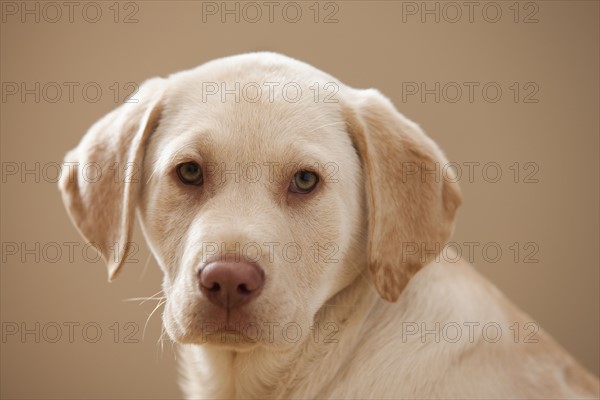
(299, 226)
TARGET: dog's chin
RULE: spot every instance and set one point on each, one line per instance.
(238, 329)
(226, 337)
(240, 336)
(228, 340)
(234, 331)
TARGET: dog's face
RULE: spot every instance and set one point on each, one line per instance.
(265, 187)
(280, 189)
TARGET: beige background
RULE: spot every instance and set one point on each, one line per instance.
(373, 44)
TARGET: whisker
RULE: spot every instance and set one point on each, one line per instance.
(145, 299)
(173, 350)
(161, 341)
(160, 303)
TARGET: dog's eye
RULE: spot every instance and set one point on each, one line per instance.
(303, 182)
(190, 173)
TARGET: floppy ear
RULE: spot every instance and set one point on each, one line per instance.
(411, 204)
(101, 186)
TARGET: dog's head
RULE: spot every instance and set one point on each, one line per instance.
(264, 187)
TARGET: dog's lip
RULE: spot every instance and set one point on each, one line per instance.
(230, 325)
(244, 332)
(227, 329)
(223, 318)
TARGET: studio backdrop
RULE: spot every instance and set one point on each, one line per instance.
(508, 89)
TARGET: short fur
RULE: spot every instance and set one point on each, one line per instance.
(352, 232)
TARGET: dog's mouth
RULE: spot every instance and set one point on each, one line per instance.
(238, 328)
(227, 319)
(248, 332)
(233, 335)
(219, 325)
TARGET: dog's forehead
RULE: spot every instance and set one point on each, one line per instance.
(254, 105)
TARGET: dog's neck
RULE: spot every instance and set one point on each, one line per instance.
(267, 373)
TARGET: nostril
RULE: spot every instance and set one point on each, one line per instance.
(214, 288)
(243, 289)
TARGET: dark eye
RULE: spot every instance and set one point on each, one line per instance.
(190, 173)
(303, 182)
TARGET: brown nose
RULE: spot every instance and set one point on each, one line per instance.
(231, 284)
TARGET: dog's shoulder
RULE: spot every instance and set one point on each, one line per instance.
(451, 323)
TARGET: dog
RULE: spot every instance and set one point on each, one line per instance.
(299, 234)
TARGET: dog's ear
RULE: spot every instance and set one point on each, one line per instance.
(101, 176)
(411, 197)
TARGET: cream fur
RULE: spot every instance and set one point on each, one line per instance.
(365, 213)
